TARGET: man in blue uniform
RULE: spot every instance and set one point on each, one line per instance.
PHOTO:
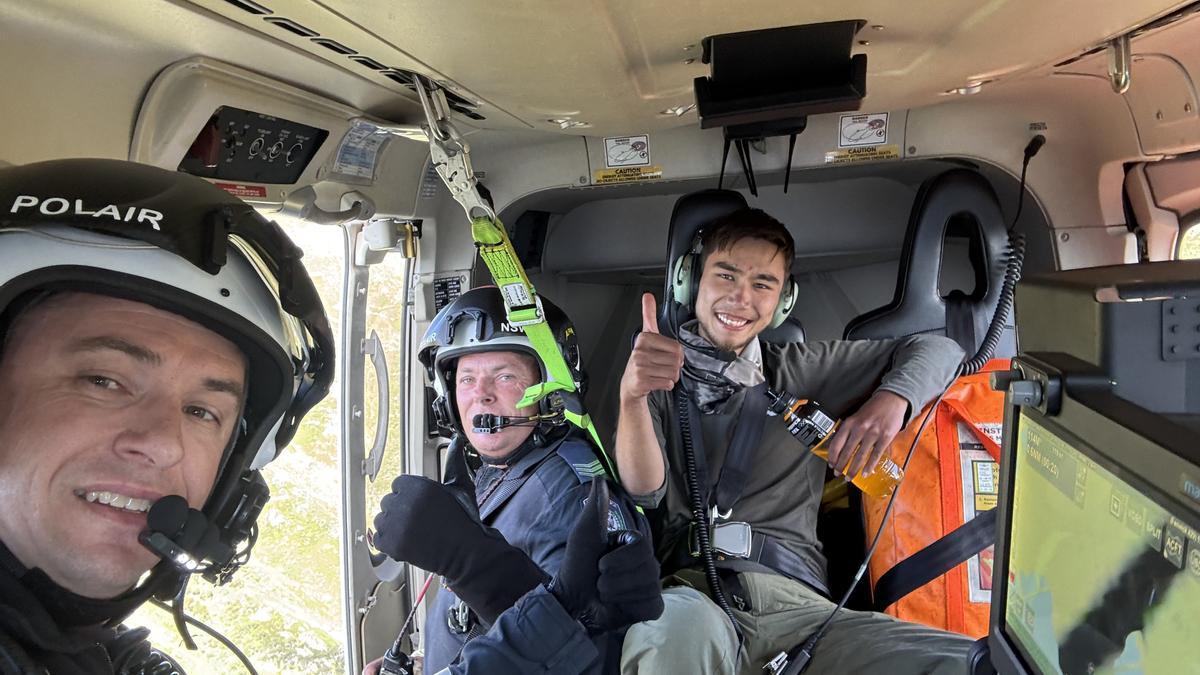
(535, 470)
(606, 580)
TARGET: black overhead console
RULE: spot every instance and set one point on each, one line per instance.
(244, 145)
(767, 82)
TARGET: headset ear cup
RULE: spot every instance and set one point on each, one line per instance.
(683, 281)
(441, 414)
(787, 302)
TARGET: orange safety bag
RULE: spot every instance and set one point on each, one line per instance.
(953, 476)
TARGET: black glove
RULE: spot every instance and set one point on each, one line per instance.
(607, 580)
(628, 587)
(575, 584)
(423, 523)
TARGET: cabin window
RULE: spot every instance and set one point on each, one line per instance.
(284, 608)
(1189, 238)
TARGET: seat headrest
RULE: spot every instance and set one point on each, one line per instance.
(791, 330)
(965, 200)
(692, 213)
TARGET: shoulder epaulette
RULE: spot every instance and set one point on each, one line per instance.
(582, 460)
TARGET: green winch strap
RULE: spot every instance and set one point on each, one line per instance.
(520, 302)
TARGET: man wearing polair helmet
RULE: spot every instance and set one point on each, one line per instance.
(159, 344)
(530, 482)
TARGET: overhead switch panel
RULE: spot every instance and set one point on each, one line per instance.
(242, 145)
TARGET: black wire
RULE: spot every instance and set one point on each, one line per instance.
(178, 615)
(1031, 149)
(1020, 193)
(212, 632)
(699, 517)
(1012, 274)
(810, 644)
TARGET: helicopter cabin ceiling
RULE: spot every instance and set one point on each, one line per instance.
(593, 68)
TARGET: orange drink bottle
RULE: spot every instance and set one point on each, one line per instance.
(813, 427)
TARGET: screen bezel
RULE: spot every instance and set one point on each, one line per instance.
(1008, 655)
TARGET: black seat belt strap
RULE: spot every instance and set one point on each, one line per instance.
(747, 432)
(960, 321)
(936, 559)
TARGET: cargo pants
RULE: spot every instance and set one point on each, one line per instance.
(693, 636)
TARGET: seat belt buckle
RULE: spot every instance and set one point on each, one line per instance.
(732, 539)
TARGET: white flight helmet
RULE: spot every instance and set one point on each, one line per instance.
(178, 243)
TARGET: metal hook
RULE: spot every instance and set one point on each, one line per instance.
(1120, 61)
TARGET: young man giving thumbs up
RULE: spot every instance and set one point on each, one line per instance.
(777, 594)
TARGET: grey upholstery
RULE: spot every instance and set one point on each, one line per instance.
(963, 200)
(791, 330)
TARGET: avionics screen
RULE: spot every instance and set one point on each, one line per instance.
(1101, 578)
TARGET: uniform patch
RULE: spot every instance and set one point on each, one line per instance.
(616, 518)
(582, 460)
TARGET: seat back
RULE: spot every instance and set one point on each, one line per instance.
(791, 330)
(959, 201)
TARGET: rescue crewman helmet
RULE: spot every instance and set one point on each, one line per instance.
(476, 322)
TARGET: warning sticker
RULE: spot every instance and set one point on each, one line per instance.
(864, 154)
(446, 290)
(627, 151)
(359, 151)
(992, 430)
(243, 190)
(631, 174)
(515, 295)
(980, 490)
(861, 130)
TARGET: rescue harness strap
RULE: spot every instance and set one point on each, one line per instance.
(450, 155)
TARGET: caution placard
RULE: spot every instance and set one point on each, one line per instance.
(867, 153)
(242, 190)
(859, 129)
(628, 174)
(627, 151)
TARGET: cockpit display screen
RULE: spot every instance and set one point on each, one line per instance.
(1103, 576)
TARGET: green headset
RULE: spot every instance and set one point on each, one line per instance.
(685, 283)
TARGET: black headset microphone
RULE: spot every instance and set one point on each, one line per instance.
(487, 423)
(183, 536)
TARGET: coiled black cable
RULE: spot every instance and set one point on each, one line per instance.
(1015, 259)
(699, 517)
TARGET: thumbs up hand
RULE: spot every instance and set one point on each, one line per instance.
(656, 360)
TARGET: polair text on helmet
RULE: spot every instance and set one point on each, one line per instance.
(57, 206)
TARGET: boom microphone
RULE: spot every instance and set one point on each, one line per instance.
(489, 423)
(182, 535)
